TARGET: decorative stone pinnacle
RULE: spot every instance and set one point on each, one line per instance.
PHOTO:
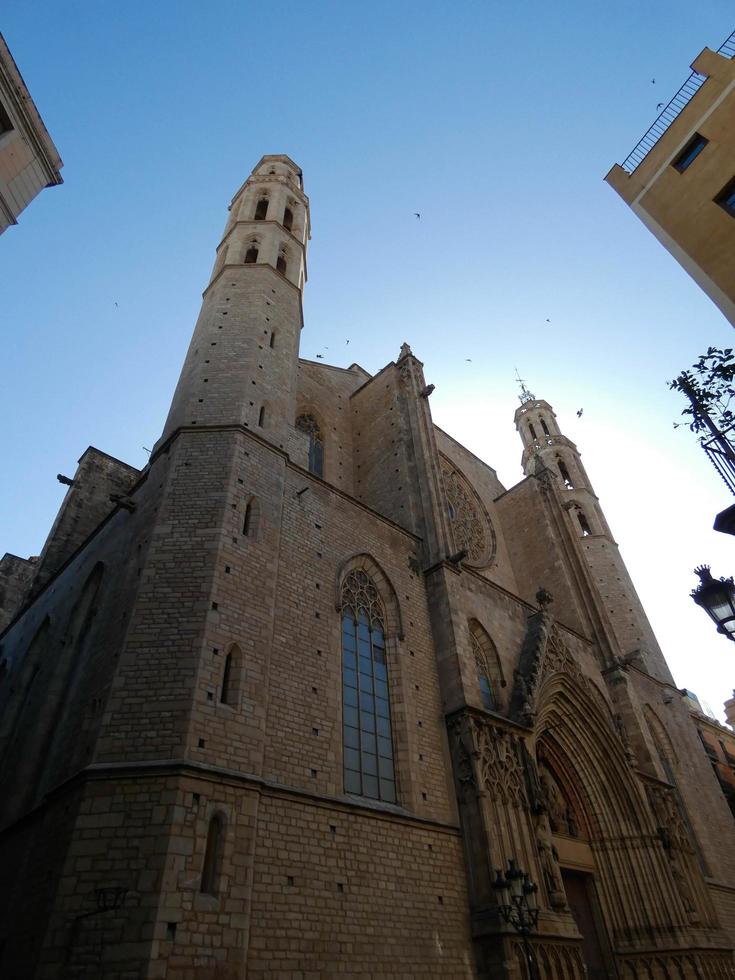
(405, 351)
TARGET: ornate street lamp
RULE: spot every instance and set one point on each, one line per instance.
(517, 905)
(717, 598)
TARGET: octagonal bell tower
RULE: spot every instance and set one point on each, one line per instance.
(547, 449)
(242, 360)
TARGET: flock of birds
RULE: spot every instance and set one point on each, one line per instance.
(468, 360)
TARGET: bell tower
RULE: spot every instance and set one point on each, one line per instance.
(545, 445)
(242, 360)
(547, 449)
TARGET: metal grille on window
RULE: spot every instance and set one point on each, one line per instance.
(367, 736)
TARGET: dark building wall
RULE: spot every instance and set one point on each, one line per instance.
(16, 577)
(87, 502)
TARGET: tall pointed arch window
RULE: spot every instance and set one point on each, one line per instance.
(309, 425)
(545, 427)
(261, 209)
(583, 523)
(565, 474)
(212, 867)
(487, 664)
(367, 735)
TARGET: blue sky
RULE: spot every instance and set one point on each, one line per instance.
(496, 121)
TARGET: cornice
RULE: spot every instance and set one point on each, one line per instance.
(32, 125)
(259, 224)
(155, 769)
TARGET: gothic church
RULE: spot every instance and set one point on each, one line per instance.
(283, 703)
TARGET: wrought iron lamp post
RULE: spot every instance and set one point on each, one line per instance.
(717, 598)
(517, 905)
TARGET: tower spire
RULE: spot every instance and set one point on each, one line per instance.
(525, 395)
(546, 447)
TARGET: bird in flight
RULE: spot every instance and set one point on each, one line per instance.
(548, 320)
(115, 304)
(653, 81)
(417, 215)
(660, 105)
(320, 357)
(579, 413)
(347, 341)
(468, 359)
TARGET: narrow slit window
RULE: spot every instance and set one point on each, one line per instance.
(272, 343)
(252, 254)
(261, 416)
(6, 124)
(584, 523)
(281, 264)
(211, 869)
(288, 219)
(247, 519)
(565, 475)
(726, 198)
(690, 153)
(225, 691)
(261, 209)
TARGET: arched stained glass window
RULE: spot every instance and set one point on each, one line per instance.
(489, 671)
(309, 425)
(367, 736)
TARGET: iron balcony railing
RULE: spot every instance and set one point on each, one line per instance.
(654, 133)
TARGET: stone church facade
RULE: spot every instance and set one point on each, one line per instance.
(281, 703)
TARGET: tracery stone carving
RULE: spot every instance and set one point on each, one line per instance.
(544, 653)
(469, 520)
(554, 959)
(500, 769)
(359, 595)
(708, 965)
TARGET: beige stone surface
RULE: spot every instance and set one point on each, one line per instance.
(679, 208)
(172, 794)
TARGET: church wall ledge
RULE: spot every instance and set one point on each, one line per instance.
(306, 474)
(183, 768)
